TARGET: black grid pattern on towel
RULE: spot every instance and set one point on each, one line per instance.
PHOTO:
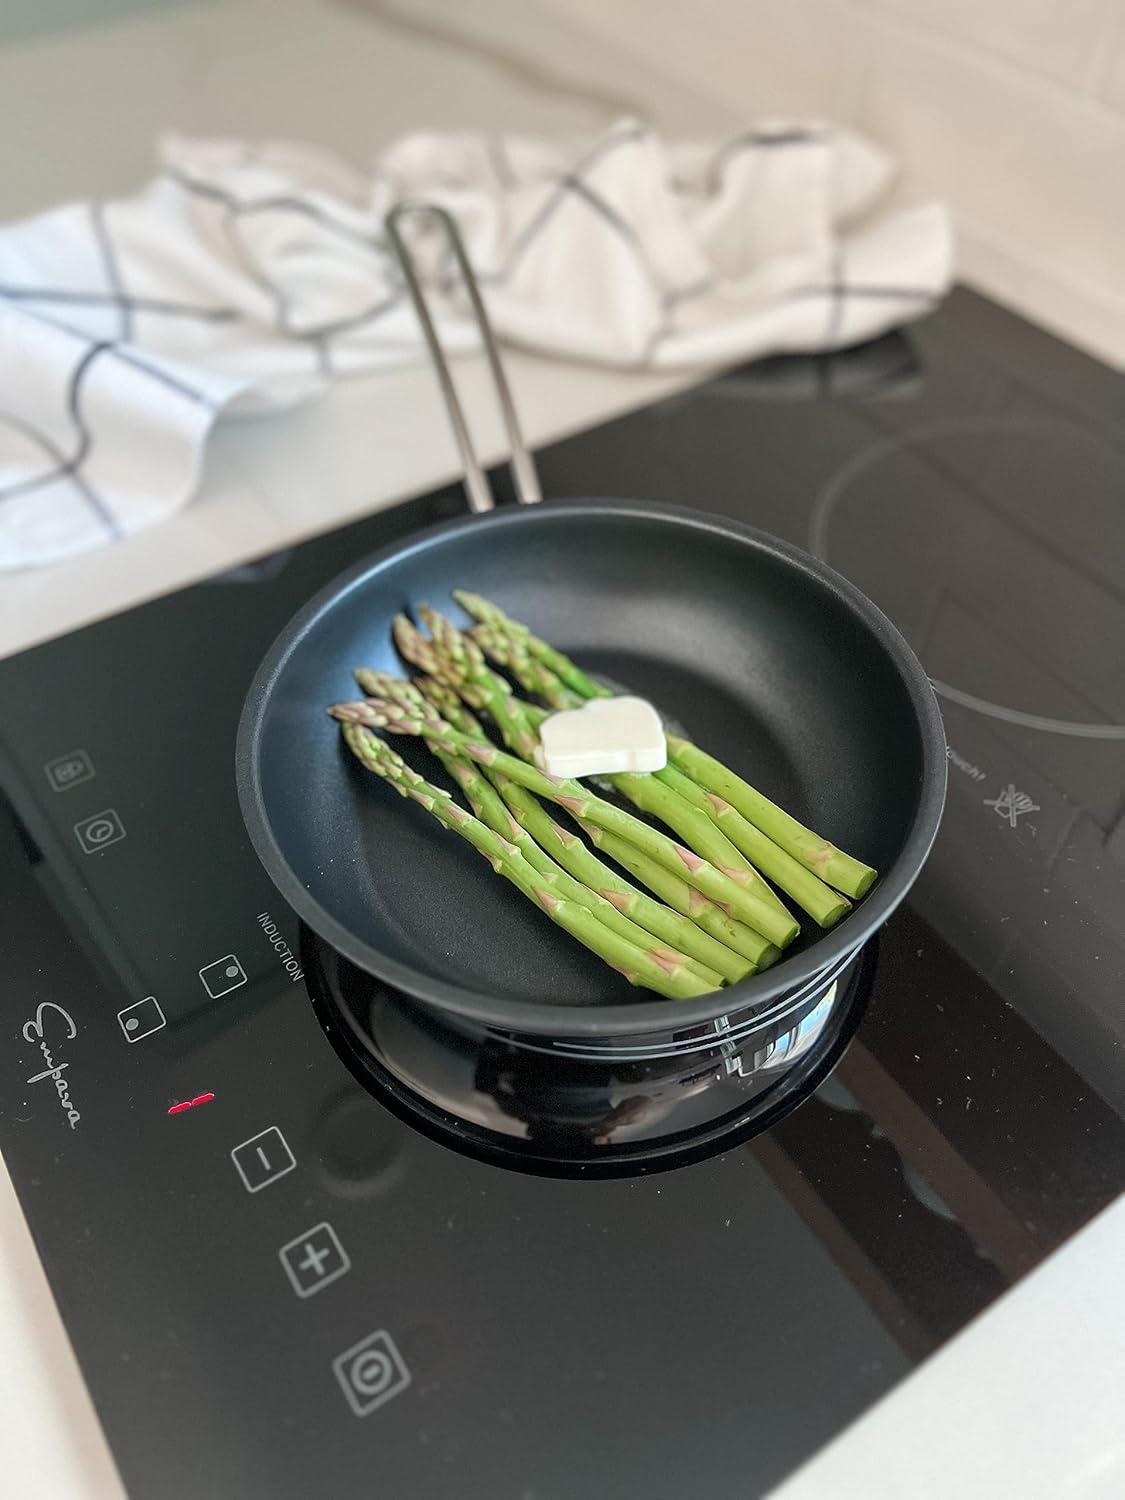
(567, 186)
(70, 465)
(64, 465)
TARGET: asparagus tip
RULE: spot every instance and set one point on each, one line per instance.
(352, 713)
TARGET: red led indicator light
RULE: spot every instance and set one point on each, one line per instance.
(186, 1104)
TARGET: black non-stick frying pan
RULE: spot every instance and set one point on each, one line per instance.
(764, 656)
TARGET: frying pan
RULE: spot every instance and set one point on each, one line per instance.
(767, 658)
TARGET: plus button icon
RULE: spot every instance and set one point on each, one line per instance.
(314, 1259)
(315, 1256)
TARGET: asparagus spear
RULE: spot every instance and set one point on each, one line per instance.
(678, 894)
(572, 674)
(711, 936)
(702, 833)
(822, 903)
(490, 808)
(746, 847)
(462, 663)
(739, 900)
(393, 689)
(533, 676)
(831, 865)
(714, 923)
(442, 697)
(672, 924)
(459, 663)
(649, 967)
(488, 805)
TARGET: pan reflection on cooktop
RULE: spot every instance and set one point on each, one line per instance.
(588, 1106)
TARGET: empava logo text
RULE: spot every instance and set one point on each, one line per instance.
(46, 1029)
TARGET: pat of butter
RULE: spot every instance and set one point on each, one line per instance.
(604, 737)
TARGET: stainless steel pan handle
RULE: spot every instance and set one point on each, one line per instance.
(525, 478)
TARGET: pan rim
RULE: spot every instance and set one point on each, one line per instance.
(657, 1014)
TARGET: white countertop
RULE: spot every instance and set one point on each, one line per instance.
(1026, 1402)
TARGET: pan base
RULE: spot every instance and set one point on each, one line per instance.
(611, 1108)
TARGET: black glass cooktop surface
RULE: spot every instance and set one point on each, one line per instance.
(276, 1287)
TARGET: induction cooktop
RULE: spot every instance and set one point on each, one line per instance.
(275, 1285)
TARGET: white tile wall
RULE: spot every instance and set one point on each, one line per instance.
(1040, 167)
(1051, 38)
(1109, 71)
(84, 102)
(1011, 110)
(758, 57)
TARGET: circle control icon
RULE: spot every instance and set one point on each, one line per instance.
(371, 1372)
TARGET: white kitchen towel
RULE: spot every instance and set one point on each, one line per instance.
(248, 278)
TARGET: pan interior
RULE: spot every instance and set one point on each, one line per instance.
(761, 661)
